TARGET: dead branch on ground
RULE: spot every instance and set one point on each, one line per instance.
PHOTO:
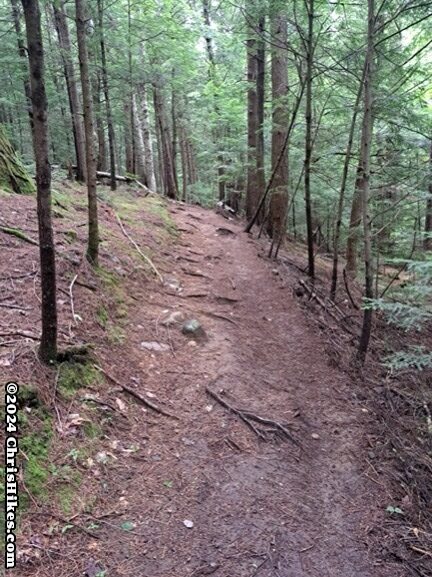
(137, 248)
(136, 395)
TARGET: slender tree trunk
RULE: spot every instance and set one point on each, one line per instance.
(139, 139)
(102, 160)
(72, 90)
(342, 192)
(212, 74)
(93, 227)
(23, 56)
(260, 106)
(365, 154)
(48, 345)
(129, 152)
(147, 140)
(183, 154)
(428, 222)
(308, 142)
(174, 127)
(107, 96)
(279, 76)
(166, 144)
(252, 190)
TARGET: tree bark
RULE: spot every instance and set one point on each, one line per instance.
(260, 106)
(144, 119)
(23, 56)
(364, 179)
(48, 345)
(252, 190)
(428, 221)
(107, 96)
(13, 175)
(139, 139)
(212, 74)
(93, 227)
(279, 76)
(308, 141)
(166, 157)
(102, 160)
(72, 90)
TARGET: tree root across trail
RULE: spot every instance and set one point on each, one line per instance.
(264, 429)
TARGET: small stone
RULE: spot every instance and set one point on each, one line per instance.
(315, 436)
(193, 328)
(154, 346)
(173, 318)
(188, 523)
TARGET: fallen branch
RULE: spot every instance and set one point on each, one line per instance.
(74, 316)
(136, 395)
(20, 334)
(271, 426)
(218, 316)
(137, 248)
(18, 234)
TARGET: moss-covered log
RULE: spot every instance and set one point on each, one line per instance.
(13, 175)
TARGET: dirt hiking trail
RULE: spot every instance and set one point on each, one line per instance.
(279, 507)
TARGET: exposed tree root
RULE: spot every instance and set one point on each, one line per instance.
(18, 234)
(269, 427)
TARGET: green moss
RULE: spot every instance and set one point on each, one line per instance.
(92, 430)
(102, 316)
(66, 497)
(75, 376)
(35, 449)
(71, 236)
(116, 335)
(109, 279)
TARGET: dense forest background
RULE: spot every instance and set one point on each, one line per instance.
(203, 101)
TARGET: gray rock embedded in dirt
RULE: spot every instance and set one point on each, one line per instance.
(154, 346)
(193, 329)
(172, 284)
(173, 318)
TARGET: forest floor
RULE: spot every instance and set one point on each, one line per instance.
(284, 487)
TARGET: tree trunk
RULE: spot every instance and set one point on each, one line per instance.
(170, 187)
(93, 228)
(279, 76)
(129, 160)
(252, 190)
(308, 141)
(212, 74)
(72, 90)
(428, 222)
(23, 57)
(147, 140)
(174, 128)
(364, 179)
(140, 150)
(48, 345)
(13, 175)
(184, 163)
(102, 160)
(106, 91)
(260, 107)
